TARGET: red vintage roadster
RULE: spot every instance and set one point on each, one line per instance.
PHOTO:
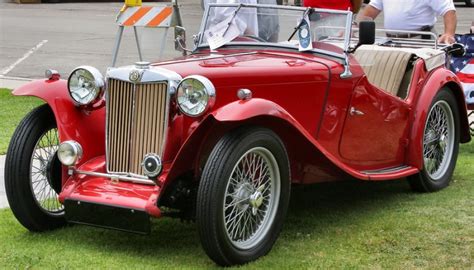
(270, 96)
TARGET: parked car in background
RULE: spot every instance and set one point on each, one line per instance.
(220, 135)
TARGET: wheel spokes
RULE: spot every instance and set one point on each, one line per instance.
(41, 161)
(248, 197)
(438, 139)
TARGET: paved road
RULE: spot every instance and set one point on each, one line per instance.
(63, 36)
(3, 198)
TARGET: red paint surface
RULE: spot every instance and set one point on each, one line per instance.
(104, 191)
(299, 96)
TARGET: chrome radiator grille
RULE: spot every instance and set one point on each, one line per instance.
(136, 123)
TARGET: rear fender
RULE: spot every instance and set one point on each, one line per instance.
(84, 126)
(437, 80)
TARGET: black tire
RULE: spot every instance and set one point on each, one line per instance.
(469, 3)
(436, 176)
(31, 187)
(471, 124)
(212, 198)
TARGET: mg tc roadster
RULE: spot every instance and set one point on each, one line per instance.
(267, 97)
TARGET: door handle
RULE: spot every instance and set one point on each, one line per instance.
(354, 111)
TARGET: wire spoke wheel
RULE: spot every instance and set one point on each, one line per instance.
(438, 140)
(251, 198)
(41, 164)
(440, 144)
(243, 196)
(33, 176)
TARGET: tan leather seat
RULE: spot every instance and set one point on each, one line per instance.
(384, 68)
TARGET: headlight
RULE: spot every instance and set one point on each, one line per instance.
(195, 95)
(69, 153)
(85, 85)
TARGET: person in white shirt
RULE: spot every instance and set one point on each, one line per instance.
(415, 15)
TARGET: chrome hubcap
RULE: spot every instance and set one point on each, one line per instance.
(438, 140)
(251, 198)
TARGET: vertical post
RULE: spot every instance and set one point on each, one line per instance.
(347, 42)
(138, 43)
(163, 43)
(118, 39)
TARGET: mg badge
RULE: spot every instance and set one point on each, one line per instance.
(134, 76)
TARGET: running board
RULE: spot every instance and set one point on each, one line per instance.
(391, 173)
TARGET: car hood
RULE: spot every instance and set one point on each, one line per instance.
(252, 68)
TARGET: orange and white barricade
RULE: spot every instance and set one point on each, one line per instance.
(163, 16)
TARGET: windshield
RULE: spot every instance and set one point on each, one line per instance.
(265, 25)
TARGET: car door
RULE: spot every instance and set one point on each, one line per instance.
(374, 134)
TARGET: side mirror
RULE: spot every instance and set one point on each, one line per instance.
(366, 34)
(180, 39)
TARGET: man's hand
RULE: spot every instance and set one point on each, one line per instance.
(450, 21)
(446, 38)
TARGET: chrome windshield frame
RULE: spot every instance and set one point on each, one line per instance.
(347, 35)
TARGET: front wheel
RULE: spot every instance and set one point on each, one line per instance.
(243, 196)
(33, 172)
(440, 144)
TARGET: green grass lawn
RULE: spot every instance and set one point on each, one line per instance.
(353, 225)
(339, 225)
(12, 110)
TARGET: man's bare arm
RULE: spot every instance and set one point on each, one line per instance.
(356, 5)
(369, 11)
(450, 21)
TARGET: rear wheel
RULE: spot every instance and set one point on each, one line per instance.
(471, 124)
(33, 172)
(440, 144)
(243, 196)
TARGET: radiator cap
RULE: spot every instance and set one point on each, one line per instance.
(142, 65)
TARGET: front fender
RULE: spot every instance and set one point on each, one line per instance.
(261, 112)
(74, 123)
(245, 109)
(438, 79)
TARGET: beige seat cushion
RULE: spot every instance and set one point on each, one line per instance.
(384, 68)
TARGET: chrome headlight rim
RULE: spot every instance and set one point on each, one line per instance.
(70, 146)
(99, 82)
(208, 87)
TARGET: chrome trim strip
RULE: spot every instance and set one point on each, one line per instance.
(275, 45)
(154, 74)
(434, 41)
(348, 32)
(388, 170)
(333, 11)
(117, 177)
(203, 25)
(208, 57)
